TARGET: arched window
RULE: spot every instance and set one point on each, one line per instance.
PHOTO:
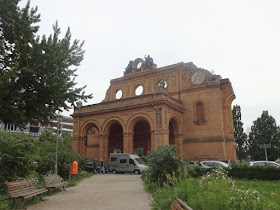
(199, 112)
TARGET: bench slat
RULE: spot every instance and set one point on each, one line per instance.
(54, 181)
(178, 204)
(23, 189)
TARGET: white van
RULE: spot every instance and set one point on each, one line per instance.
(125, 163)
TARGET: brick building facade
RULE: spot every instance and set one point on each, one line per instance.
(149, 106)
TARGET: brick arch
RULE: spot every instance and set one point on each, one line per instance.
(108, 123)
(140, 127)
(178, 122)
(135, 118)
(88, 124)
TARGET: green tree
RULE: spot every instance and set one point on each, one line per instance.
(46, 154)
(38, 77)
(16, 156)
(264, 131)
(161, 162)
(239, 135)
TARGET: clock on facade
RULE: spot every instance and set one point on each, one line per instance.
(198, 78)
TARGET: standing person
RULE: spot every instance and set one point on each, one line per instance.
(102, 167)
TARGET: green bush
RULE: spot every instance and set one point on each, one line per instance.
(16, 156)
(161, 162)
(244, 171)
(46, 154)
(197, 171)
(214, 190)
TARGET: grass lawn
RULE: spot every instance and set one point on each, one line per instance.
(269, 189)
(219, 194)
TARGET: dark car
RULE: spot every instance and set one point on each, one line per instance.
(92, 167)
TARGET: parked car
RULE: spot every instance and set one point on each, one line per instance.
(264, 163)
(213, 163)
(94, 167)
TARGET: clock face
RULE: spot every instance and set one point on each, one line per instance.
(198, 78)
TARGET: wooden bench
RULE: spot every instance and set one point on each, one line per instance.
(23, 189)
(178, 204)
(54, 181)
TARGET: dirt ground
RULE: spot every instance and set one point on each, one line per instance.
(109, 191)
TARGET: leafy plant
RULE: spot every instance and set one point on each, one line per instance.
(47, 150)
(16, 156)
(161, 162)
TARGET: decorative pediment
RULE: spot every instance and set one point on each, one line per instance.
(140, 64)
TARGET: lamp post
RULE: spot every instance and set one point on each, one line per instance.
(157, 111)
(58, 117)
(225, 149)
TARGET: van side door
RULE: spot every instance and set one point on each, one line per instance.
(131, 165)
(123, 164)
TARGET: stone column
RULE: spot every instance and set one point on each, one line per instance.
(106, 147)
(103, 147)
(128, 143)
(178, 142)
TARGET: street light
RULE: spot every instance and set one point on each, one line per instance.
(157, 112)
(58, 117)
(225, 150)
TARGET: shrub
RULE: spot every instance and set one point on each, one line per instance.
(244, 171)
(214, 190)
(161, 162)
(46, 154)
(16, 156)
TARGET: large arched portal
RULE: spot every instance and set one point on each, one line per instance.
(142, 138)
(115, 139)
(172, 131)
(92, 142)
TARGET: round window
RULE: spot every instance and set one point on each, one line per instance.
(119, 94)
(139, 65)
(139, 90)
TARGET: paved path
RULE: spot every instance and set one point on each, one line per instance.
(109, 191)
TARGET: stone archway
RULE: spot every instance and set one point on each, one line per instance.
(175, 137)
(115, 138)
(142, 138)
(92, 142)
(171, 132)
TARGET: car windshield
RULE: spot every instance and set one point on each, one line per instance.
(139, 160)
(273, 164)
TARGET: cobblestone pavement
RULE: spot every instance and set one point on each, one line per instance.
(109, 191)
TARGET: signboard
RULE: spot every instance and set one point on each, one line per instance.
(262, 146)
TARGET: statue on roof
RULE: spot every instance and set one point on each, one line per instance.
(128, 69)
(149, 61)
(161, 87)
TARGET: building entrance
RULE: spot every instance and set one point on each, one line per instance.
(142, 138)
(115, 139)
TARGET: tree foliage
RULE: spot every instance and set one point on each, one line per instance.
(46, 154)
(37, 77)
(239, 135)
(161, 162)
(17, 156)
(264, 131)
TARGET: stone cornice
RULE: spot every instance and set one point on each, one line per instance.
(193, 89)
(149, 100)
(149, 73)
(207, 139)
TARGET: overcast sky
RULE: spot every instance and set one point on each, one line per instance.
(239, 40)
